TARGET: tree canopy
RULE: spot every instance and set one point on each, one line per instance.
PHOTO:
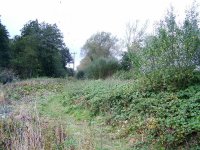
(4, 46)
(101, 44)
(40, 51)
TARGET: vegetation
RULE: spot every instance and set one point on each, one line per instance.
(101, 68)
(171, 54)
(38, 111)
(166, 119)
(100, 45)
(119, 109)
(4, 46)
(38, 51)
(99, 51)
(149, 99)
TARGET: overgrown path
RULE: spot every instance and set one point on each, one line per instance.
(45, 96)
(71, 115)
(87, 134)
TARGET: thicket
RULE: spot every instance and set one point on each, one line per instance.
(99, 59)
(167, 120)
(38, 51)
(4, 47)
(101, 68)
(168, 58)
(161, 106)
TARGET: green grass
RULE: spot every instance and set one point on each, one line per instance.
(88, 132)
(165, 119)
(114, 114)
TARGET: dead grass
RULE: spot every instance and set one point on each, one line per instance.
(25, 130)
(29, 128)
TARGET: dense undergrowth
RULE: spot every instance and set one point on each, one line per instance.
(24, 127)
(165, 119)
(147, 119)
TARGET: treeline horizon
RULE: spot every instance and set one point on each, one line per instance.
(166, 58)
(38, 51)
(169, 55)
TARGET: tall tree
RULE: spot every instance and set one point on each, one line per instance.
(134, 38)
(84, 63)
(101, 44)
(4, 47)
(191, 37)
(50, 50)
(162, 49)
(172, 54)
(66, 56)
(41, 48)
(25, 56)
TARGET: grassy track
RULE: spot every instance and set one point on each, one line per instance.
(46, 96)
(99, 115)
(88, 133)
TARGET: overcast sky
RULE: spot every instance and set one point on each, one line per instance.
(79, 19)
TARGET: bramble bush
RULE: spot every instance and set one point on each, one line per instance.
(168, 119)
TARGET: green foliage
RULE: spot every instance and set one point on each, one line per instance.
(33, 88)
(70, 72)
(160, 108)
(40, 51)
(4, 47)
(101, 44)
(125, 62)
(124, 75)
(7, 76)
(101, 68)
(166, 79)
(80, 74)
(167, 119)
(25, 57)
(134, 39)
(66, 56)
(171, 55)
(99, 51)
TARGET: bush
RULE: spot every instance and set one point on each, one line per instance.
(125, 62)
(171, 79)
(70, 72)
(102, 68)
(7, 76)
(80, 74)
(168, 119)
(124, 75)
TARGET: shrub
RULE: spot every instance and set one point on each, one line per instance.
(124, 75)
(80, 74)
(171, 79)
(7, 76)
(70, 72)
(168, 119)
(125, 62)
(102, 68)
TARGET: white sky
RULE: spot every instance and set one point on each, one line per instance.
(79, 19)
